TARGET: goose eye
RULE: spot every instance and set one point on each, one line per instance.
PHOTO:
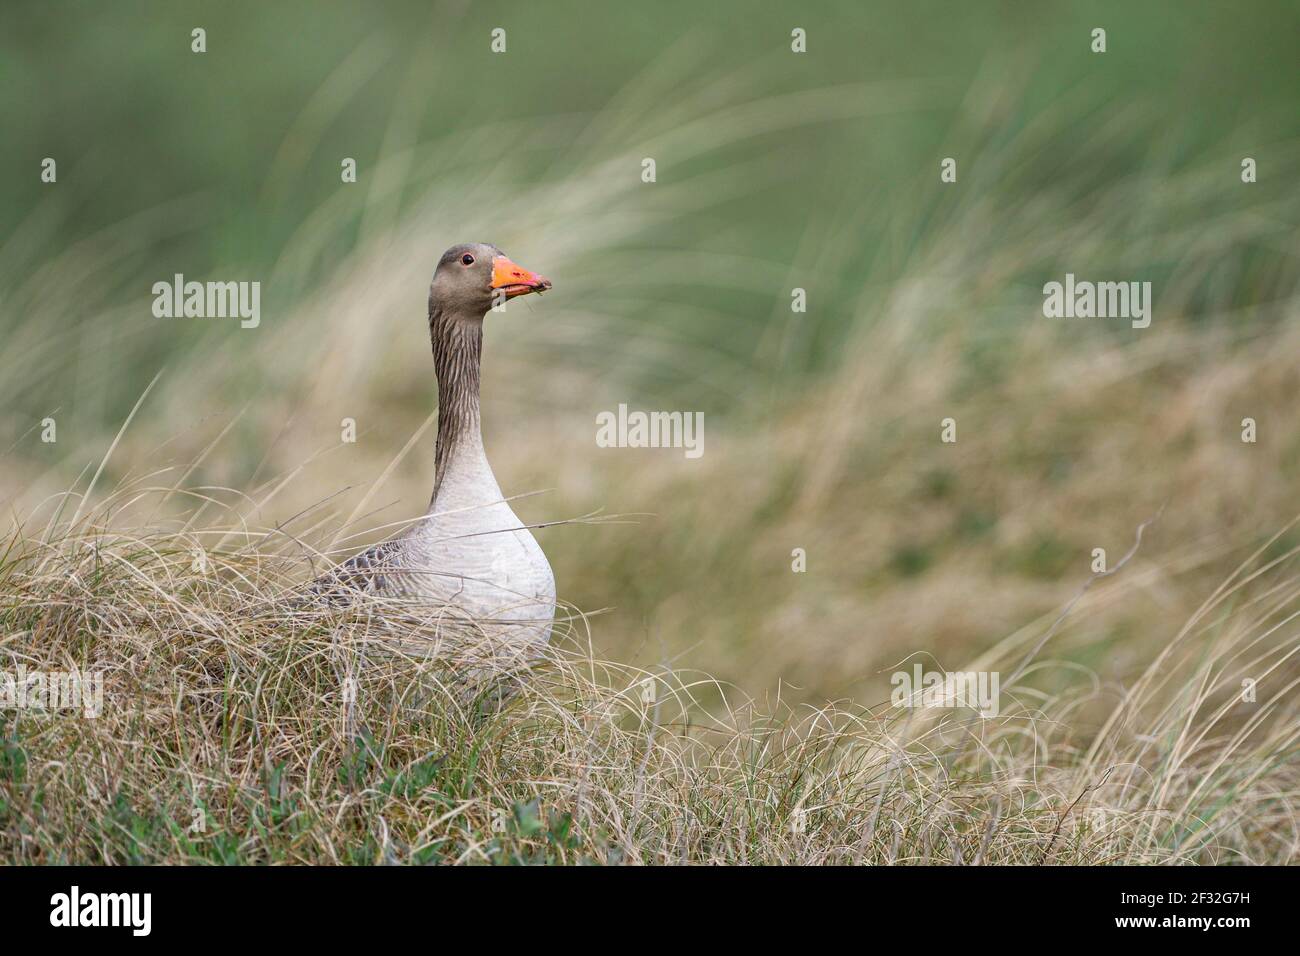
(467, 259)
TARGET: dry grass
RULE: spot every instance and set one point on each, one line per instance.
(1125, 740)
(219, 708)
(821, 427)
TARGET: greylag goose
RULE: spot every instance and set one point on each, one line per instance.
(469, 555)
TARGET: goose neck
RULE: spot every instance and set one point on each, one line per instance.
(457, 356)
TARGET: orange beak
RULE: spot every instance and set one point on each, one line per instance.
(516, 280)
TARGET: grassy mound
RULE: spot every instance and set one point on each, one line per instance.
(233, 730)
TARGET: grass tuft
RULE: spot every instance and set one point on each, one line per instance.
(237, 729)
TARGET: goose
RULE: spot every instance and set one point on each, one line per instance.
(468, 555)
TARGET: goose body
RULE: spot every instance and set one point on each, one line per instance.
(469, 558)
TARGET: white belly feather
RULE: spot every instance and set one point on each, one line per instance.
(472, 555)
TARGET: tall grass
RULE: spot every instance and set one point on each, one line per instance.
(1128, 739)
(235, 729)
(821, 426)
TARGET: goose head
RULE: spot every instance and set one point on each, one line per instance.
(474, 276)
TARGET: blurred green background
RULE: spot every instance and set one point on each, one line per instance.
(775, 170)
